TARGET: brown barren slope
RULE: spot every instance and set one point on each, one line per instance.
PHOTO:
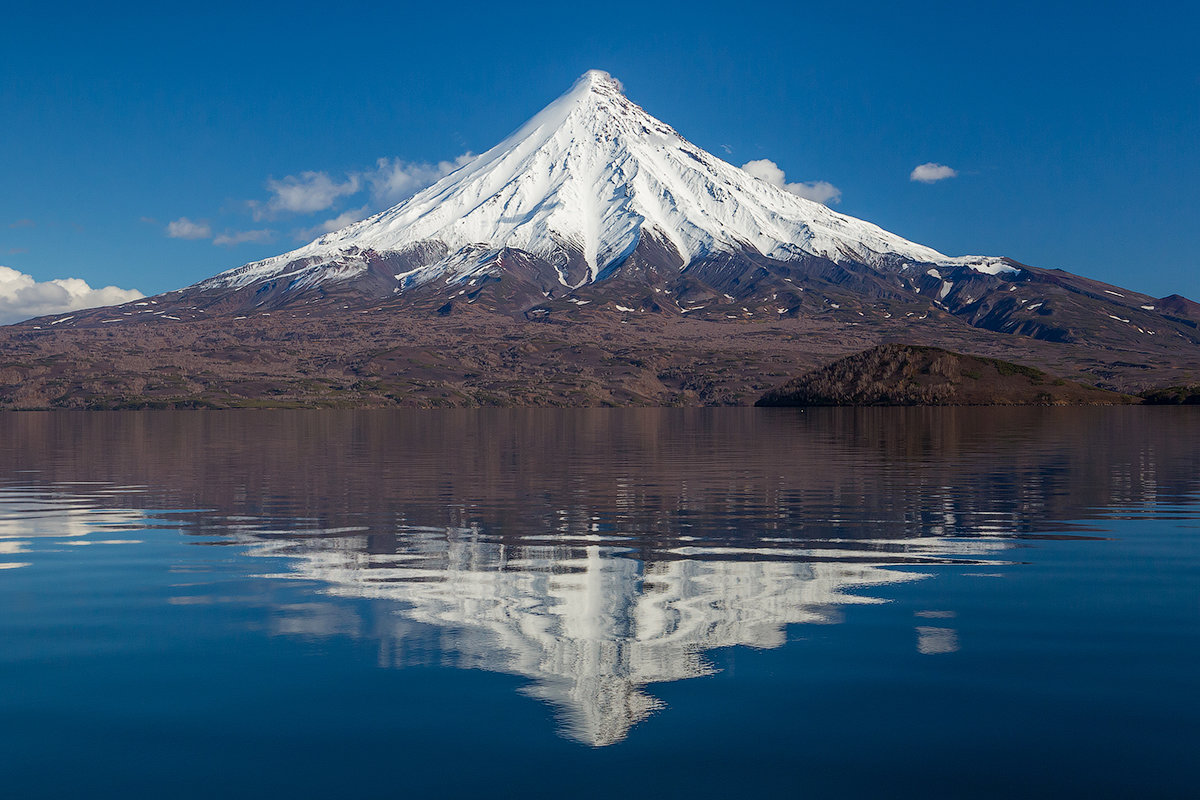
(332, 354)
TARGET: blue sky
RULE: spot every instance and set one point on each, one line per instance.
(1073, 128)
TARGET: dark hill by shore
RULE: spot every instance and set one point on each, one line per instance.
(907, 375)
(1173, 396)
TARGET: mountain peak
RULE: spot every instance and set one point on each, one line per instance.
(597, 80)
(580, 187)
(600, 94)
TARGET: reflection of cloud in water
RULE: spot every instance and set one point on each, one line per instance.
(592, 625)
(932, 641)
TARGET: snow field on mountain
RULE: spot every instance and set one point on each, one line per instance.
(590, 174)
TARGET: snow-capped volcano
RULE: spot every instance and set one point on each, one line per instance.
(595, 256)
(580, 187)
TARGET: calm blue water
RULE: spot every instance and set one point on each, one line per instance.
(831, 603)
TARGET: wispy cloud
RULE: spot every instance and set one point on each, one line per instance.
(388, 182)
(305, 193)
(231, 238)
(930, 172)
(22, 297)
(22, 223)
(394, 179)
(818, 191)
(333, 224)
(184, 228)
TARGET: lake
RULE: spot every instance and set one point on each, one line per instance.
(601, 602)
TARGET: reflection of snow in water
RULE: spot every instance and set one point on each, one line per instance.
(590, 623)
(28, 515)
(590, 626)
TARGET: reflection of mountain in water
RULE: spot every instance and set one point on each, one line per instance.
(595, 551)
(883, 473)
(590, 626)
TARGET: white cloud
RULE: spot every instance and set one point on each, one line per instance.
(766, 170)
(333, 224)
(305, 193)
(21, 297)
(932, 173)
(389, 181)
(184, 228)
(231, 238)
(819, 191)
(394, 179)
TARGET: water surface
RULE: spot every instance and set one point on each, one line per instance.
(827, 603)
